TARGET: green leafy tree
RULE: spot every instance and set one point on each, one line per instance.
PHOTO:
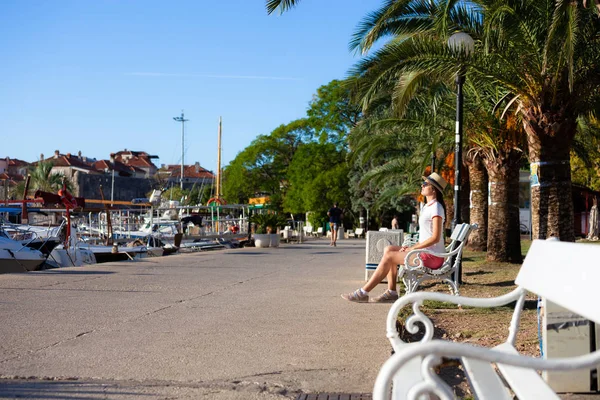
(332, 113)
(261, 167)
(306, 155)
(585, 156)
(314, 178)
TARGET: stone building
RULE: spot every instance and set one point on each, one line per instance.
(193, 176)
(12, 171)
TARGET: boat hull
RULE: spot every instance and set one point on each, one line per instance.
(123, 253)
(16, 262)
(44, 245)
(77, 257)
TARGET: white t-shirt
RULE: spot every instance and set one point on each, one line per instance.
(428, 212)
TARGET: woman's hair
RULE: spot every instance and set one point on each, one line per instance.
(440, 199)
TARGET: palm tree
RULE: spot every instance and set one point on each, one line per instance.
(392, 151)
(499, 141)
(42, 178)
(479, 200)
(544, 53)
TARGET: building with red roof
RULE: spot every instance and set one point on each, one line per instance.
(12, 171)
(120, 169)
(138, 159)
(193, 175)
(14, 167)
(68, 164)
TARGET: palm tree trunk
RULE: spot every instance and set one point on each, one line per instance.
(550, 138)
(504, 239)
(479, 203)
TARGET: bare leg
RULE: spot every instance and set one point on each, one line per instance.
(334, 235)
(392, 256)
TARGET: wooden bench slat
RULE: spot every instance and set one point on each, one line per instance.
(526, 383)
(484, 380)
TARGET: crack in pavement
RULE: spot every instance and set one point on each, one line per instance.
(113, 326)
(89, 290)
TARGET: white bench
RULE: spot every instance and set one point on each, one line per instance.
(564, 273)
(415, 273)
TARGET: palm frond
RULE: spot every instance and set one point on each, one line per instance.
(282, 5)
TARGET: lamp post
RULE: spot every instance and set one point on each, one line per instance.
(112, 186)
(432, 157)
(183, 121)
(459, 42)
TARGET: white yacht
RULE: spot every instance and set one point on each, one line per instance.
(16, 257)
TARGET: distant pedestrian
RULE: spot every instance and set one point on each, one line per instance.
(395, 224)
(335, 219)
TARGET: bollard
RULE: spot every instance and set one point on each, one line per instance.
(376, 243)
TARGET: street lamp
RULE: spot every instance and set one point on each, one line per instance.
(183, 121)
(432, 157)
(463, 43)
(459, 42)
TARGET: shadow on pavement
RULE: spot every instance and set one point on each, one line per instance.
(67, 390)
(246, 253)
(58, 271)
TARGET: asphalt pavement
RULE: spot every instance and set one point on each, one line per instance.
(244, 323)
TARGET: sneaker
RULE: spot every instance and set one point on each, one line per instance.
(386, 297)
(356, 296)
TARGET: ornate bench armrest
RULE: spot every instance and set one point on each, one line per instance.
(417, 261)
(433, 351)
(417, 300)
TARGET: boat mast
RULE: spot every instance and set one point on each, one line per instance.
(218, 190)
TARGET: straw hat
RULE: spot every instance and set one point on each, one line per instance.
(437, 181)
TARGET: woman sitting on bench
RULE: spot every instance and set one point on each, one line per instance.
(431, 222)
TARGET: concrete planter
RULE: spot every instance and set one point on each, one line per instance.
(262, 239)
(275, 239)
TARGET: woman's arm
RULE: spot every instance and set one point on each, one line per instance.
(437, 234)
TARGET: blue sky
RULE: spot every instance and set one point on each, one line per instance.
(98, 76)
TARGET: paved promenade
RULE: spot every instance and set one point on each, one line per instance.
(234, 324)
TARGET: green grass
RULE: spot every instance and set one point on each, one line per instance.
(588, 241)
(481, 279)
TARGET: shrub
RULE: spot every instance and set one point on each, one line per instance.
(267, 222)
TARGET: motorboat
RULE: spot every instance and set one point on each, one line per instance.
(15, 257)
(41, 238)
(74, 253)
(202, 245)
(156, 247)
(118, 253)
